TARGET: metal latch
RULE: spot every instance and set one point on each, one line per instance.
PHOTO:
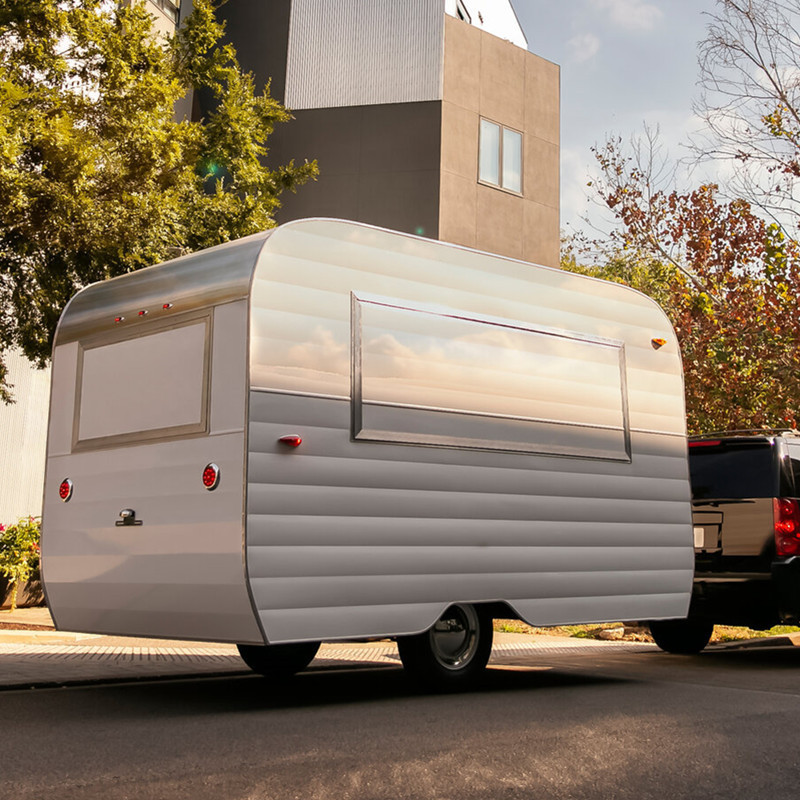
(127, 517)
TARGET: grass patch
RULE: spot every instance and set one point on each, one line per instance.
(634, 633)
(728, 633)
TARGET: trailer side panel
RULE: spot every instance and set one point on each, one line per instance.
(474, 429)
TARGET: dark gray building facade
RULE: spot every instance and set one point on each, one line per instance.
(421, 119)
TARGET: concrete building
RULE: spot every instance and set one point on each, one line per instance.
(165, 13)
(23, 440)
(426, 116)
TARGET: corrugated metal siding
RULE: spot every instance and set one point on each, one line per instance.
(23, 439)
(179, 574)
(348, 538)
(364, 52)
(363, 539)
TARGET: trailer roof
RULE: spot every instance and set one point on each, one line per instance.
(216, 275)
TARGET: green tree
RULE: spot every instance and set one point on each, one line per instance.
(98, 176)
(639, 270)
(19, 554)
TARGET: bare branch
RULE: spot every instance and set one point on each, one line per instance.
(750, 101)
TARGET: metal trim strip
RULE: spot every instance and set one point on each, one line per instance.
(345, 399)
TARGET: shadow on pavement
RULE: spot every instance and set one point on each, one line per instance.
(315, 689)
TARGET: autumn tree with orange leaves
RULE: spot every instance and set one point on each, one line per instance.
(725, 269)
(730, 283)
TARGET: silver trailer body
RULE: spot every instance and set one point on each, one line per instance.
(474, 429)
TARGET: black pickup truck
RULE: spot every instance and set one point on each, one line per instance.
(746, 519)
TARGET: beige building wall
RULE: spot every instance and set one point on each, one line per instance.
(165, 14)
(485, 76)
(23, 439)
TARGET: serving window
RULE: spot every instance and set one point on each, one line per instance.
(142, 388)
(442, 379)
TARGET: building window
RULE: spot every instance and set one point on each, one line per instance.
(172, 8)
(462, 13)
(500, 156)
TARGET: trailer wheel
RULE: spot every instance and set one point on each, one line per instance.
(278, 660)
(683, 636)
(453, 653)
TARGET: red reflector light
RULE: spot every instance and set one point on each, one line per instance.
(211, 476)
(143, 313)
(118, 319)
(706, 443)
(65, 489)
(293, 440)
(167, 306)
(786, 517)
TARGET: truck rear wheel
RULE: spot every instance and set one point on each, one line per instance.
(278, 660)
(683, 636)
(453, 653)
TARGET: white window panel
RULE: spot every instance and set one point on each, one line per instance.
(512, 160)
(489, 169)
(500, 156)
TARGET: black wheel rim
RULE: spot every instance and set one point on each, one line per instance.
(454, 637)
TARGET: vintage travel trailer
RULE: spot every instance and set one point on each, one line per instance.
(331, 431)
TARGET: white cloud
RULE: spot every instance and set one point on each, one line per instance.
(583, 47)
(632, 15)
(323, 352)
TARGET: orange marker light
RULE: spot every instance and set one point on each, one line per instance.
(658, 343)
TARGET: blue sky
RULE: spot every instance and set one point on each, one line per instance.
(623, 63)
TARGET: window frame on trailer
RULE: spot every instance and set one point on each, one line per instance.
(197, 427)
(416, 427)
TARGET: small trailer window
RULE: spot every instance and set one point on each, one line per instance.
(429, 378)
(147, 387)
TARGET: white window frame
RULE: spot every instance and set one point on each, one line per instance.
(502, 128)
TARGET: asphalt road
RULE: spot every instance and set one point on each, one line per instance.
(588, 725)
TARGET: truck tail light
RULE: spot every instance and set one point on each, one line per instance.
(786, 516)
(211, 476)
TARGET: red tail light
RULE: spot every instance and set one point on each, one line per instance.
(786, 516)
(211, 476)
(65, 489)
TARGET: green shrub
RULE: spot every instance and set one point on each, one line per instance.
(19, 553)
